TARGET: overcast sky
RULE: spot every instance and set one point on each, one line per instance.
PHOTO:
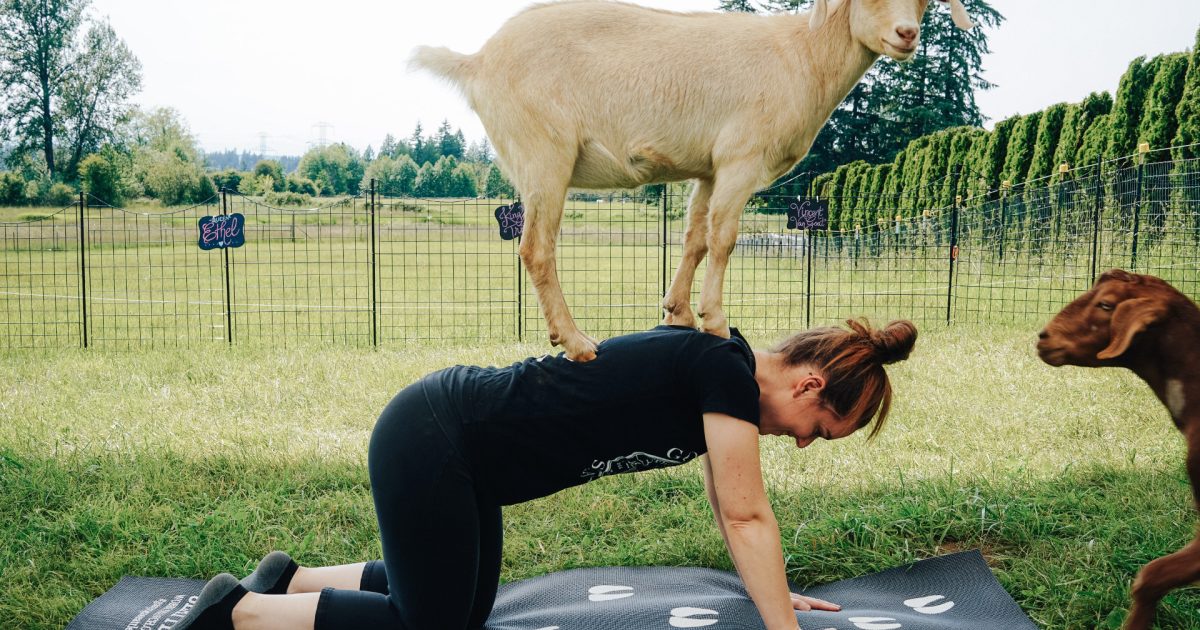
(294, 69)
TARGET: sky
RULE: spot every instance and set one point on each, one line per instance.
(286, 74)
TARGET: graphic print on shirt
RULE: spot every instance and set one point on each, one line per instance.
(636, 461)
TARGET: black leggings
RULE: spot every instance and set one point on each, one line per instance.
(441, 541)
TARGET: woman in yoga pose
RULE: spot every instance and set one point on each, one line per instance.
(449, 450)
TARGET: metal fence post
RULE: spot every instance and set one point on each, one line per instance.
(953, 246)
(1004, 188)
(666, 208)
(520, 289)
(1063, 171)
(228, 292)
(1143, 149)
(810, 237)
(83, 300)
(1099, 194)
(373, 284)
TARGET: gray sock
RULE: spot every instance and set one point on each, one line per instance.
(272, 576)
(214, 606)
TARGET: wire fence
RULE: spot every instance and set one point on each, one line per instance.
(374, 270)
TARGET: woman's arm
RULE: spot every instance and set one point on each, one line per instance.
(745, 517)
(711, 491)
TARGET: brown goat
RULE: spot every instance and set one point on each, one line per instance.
(1142, 323)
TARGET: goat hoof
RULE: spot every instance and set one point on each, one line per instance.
(580, 347)
(1137, 620)
(720, 330)
(680, 319)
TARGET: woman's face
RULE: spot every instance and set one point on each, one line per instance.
(800, 414)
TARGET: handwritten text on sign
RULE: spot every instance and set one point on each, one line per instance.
(222, 231)
(808, 214)
(511, 220)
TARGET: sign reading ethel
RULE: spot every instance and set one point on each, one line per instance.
(222, 231)
(808, 214)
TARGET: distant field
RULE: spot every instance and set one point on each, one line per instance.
(437, 271)
(188, 463)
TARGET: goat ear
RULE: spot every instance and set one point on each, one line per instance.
(820, 11)
(1130, 318)
(959, 14)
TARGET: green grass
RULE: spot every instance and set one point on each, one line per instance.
(187, 464)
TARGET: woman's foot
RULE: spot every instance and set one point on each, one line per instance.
(213, 609)
(272, 576)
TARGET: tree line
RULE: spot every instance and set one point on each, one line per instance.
(67, 126)
(1157, 102)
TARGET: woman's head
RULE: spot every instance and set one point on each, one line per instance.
(856, 386)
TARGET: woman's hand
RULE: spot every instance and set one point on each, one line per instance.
(800, 602)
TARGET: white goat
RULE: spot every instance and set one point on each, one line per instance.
(594, 94)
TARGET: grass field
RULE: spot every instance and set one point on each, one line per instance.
(188, 463)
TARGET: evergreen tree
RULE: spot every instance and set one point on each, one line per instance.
(448, 143)
(462, 182)
(388, 148)
(1020, 149)
(1159, 126)
(1187, 114)
(743, 6)
(424, 150)
(480, 152)
(1046, 143)
(1127, 108)
(1076, 122)
(991, 167)
(497, 185)
(1094, 145)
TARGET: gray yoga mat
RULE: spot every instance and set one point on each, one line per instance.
(952, 591)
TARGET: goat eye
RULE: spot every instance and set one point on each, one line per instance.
(1105, 306)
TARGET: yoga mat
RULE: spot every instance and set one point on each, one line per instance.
(952, 591)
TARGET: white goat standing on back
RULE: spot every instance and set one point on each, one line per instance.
(592, 94)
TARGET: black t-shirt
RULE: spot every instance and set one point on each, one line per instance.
(547, 423)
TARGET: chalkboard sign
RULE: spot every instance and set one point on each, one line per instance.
(222, 231)
(808, 214)
(511, 220)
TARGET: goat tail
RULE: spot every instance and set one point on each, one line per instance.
(452, 66)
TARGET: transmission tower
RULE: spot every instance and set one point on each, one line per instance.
(323, 129)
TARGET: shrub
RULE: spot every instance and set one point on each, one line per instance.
(287, 199)
(12, 189)
(302, 185)
(100, 178)
(60, 194)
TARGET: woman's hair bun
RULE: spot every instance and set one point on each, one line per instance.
(892, 343)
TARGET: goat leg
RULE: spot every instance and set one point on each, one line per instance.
(1160, 576)
(543, 219)
(677, 302)
(731, 192)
